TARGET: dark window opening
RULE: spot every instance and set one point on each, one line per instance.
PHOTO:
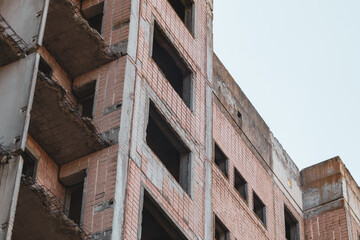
(221, 160)
(75, 204)
(86, 97)
(239, 115)
(45, 68)
(168, 147)
(172, 66)
(74, 196)
(221, 232)
(94, 16)
(291, 226)
(29, 165)
(259, 208)
(156, 225)
(184, 9)
(240, 184)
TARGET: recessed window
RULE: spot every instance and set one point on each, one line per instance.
(86, 97)
(74, 202)
(184, 9)
(240, 184)
(221, 232)
(94, 16)
(221, 160)
(29, 166)
(259, 208)
(291, 226)
(168, 147)
(45, 68)
(172, 66)
(156, 224)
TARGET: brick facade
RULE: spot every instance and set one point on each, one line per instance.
(125, 180)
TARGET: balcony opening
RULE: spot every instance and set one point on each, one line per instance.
(45, 68)
(156, 224)
(221, 232)
(169, 148)
(259, 208)
(74, 196)
(172, 66)
(291, 226)
(29, 166)
(221, 160)
(94, 16)
(240, 184)
(184, 9)
(86, 97)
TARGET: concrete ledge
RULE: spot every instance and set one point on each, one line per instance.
(75, 45)
(39, 215)
(58, 128)
(12, 47)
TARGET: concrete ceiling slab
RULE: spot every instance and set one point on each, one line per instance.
(58, 128)
(39, 216)
(75, 45)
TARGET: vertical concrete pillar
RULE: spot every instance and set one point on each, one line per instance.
(10, 176)
(209, 146)
(126, 124)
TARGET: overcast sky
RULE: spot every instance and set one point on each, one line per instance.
(298, 61)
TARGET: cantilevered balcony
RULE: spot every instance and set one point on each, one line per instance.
(58, 127)
(76, 46)
(40, 215)
(12, 47)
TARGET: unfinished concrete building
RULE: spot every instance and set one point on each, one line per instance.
(117, 121)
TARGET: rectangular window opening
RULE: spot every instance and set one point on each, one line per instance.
(45, 68)
(74, 196)
(240, 184)
(184, 9)
(29, 166)
(156, 224)
(86, 96)
(221, 160)
(169, 148)
(172, 66)
(94, 16)
(221, 231)
(291, 226)
(259, 208)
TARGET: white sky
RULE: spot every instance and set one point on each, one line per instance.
(298, 61)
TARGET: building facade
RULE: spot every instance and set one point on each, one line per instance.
(117, 121)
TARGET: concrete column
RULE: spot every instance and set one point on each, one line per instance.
(10, 176)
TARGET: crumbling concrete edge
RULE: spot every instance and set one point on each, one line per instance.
(48, 203)
(70, 10)
(15, 47)
(72, 110)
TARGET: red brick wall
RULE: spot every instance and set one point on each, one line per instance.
(110, 83)
(47, 170)
(236, 214)
(328, 225)
(187, 211)
(100, 185)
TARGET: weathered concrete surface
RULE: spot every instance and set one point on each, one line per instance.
(255, 133)
(322, 183)
(17, 84)
(10, 174)
(39, 216)
(26, 18)
(72, 42)
(56, 125)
